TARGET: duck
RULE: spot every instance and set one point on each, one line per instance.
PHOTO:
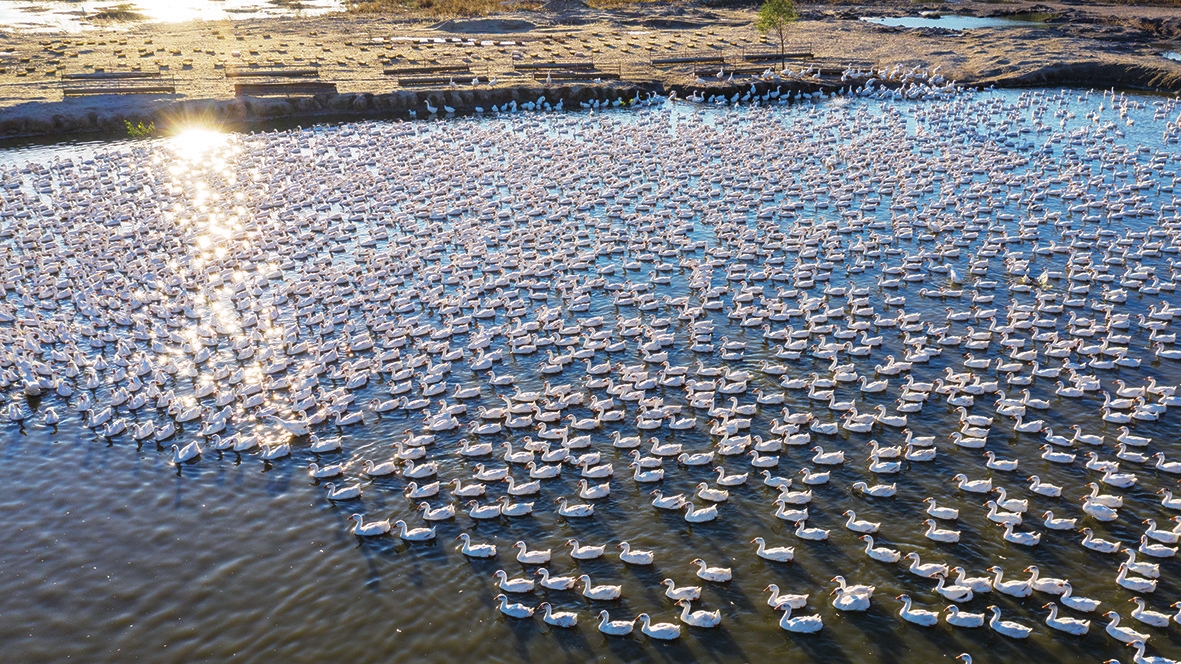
(945, 513)
(476, 511)
(370, 529)
(1083, 604)
(519, 611)
(602, 592)
(954, 593)
(781, 554)
(414, 534)
(880, 553)
(1041, 488)
(917, 616)
(555, 582)
(1045, 584)
(565, 619)
(477, 550)
(776, 600)
(579, 510)
(1155, 550)
(1011, 504)
(379, 469)
(1119, 633)
(1069, 625)
(848, 600)
(1133, 583)
(414, 492)
(661, 631)
(1095, 544)
(859, 526)
(534, 557)
(614, 627)
(1058, 524)
(1022, 538)
(937, 534)
(663, 502)
(799, 624)
(518, 585)
(715, 574)
(704, 619)
(675, 593)
(1154, 618)
(978, 584)
(694, 515)
(926, 570)
(634, 557)
(972, 486)
(1012, 588)
(324, 472)
(960, 618)
(1147, 570)
(877, 490)
(185, 454)
(1140, 658)
(1008, 628)
(346, 492)
(802, 531)
(585, 552)
(997, 516)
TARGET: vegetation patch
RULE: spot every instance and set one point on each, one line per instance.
(122, 12)
(140, 130)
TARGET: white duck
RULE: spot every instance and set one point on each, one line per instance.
(781, 554)
(603, 592)
(692, 618)
(715, 574)
(660, 631)
(916, 616)
(1069, 625)
(614, 627)
(1008, 628)
(519, 611)
(801, 624)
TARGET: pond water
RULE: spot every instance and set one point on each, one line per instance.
(1172, 55)
(208, 282)
(953, 22)
(56, 16)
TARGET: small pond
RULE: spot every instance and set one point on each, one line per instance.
(952, 22)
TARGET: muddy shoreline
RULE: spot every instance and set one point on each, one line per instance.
(1091, 46)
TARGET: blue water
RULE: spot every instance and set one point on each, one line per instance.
(109, 552)
(950, 22)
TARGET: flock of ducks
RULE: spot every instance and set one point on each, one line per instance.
(801, 315)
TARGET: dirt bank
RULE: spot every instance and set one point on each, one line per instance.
(1085, 45)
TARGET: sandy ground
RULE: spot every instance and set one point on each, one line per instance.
(1094, 45)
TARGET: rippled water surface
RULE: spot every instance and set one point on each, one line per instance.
(193, 270)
